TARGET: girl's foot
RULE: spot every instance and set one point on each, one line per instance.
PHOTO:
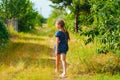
(63, 75)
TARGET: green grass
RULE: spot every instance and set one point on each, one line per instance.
(29, 56)
(99, 77)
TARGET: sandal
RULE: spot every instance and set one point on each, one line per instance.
(62, 75)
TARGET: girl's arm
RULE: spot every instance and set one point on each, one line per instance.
(57, 44)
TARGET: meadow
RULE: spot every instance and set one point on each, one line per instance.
(29, 56)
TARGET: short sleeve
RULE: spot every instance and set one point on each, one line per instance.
(57, 34)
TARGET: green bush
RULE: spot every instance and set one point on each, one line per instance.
(106, 24)
(4, 35)
(28, 21)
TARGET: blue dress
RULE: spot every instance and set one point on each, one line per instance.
(63, 42)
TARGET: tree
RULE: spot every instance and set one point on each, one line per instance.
(40, 20)
(14, 8)
(75, 6)
(27, 21)
(3, 9)
(56, 14)
(102, 21)
(22, 11)
(106, 25)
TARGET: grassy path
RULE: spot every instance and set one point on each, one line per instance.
(30, 57)
(27, 57)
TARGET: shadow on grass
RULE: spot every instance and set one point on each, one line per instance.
(28, 53)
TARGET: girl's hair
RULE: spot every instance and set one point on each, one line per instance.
(61, 23)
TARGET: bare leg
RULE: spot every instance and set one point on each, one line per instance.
(63, 59)
(57, 62)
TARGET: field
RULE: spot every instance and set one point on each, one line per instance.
(29, 56)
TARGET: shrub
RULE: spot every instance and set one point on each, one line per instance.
(106, 25)
(4, 35)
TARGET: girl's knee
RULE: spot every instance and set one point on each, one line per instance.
(63, 59)
(63, 56)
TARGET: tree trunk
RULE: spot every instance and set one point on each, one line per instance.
(76, 22)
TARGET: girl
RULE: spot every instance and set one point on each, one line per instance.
(61, 46)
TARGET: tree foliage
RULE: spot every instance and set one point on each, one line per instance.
(76, 7)
(56, 14)
(101, 18)
(106, 25)
(22, 11)
(4, 35)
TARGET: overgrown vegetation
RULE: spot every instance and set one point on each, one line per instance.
(30, 56)
(23, 12)
(4, 35)
(98, 29)
(105, 25)
(27, 55)
(96, 19)
(84, 59)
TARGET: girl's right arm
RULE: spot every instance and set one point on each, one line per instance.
(57, 44)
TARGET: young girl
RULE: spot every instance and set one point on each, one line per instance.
(61, 46)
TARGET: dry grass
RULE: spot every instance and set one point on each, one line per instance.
(29, 56)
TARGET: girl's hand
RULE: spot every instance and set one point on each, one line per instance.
(56, 52)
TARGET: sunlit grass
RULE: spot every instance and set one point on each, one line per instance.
(19, 72)
(29, 56)
(99, 77)
(83, 60)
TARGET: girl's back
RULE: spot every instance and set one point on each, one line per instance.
(63, 40)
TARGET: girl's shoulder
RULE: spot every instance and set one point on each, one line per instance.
(58, 33)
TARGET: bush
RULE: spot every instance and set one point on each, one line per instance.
(28, 21)
(4, 35)
(106, 24)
